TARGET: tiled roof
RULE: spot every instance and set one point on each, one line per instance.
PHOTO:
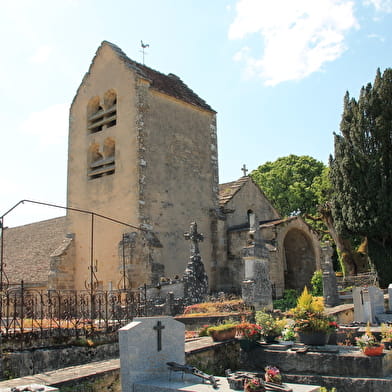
(27, 249)
(229, 189)
(169, 84)
(277, 222)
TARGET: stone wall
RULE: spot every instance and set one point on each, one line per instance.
(216, 358)
(28, 362)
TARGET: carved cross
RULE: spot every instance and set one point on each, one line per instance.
(159, 328)
(195, 238)
(244, 169)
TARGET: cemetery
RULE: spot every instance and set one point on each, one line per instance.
(223, 344)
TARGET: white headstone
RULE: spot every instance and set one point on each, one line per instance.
(146, 345)
(376, 296)
(390, 297)
(368, 302)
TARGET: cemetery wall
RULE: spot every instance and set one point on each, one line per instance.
(27, 362)
(215, 359)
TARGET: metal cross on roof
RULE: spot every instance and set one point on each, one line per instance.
(195, 238)
(244, 169)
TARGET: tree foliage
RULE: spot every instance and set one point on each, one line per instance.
(301, 185)
(293, 183)
(361, 170)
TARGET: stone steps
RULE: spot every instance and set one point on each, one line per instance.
(344, 361)
(343, 384)
(345, 368)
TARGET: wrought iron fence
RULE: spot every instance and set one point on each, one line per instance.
(51, 313)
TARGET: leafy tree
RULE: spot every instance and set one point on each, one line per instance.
(361, 171)
(301, 185)
(291, 183)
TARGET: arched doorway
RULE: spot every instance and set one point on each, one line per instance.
(300, 260)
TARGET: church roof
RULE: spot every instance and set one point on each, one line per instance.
(169, 84)
(27, 249)
(277, 222)
(229, 189)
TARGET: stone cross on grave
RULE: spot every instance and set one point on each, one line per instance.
(159, 328)
(244, 169)
(195, 238)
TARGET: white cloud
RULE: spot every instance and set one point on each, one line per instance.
(377, 37)
(380, 5)
(50, 125)
(41, 55)
(299, 36)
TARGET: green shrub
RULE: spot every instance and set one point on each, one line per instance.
(221, 327)
(317, 283)
(288, 301)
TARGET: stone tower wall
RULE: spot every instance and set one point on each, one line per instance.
(179, 176)
(114, 195)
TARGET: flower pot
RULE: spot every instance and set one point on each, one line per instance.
(247, 344)
(313, 338)
(269, 339)
(387, 345)
(226, 334)
(373, 351)
(249, 386)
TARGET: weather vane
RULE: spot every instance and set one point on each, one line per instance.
(144, 46)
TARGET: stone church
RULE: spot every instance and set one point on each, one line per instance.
(143, 165)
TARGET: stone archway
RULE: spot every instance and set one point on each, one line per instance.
(300, 259)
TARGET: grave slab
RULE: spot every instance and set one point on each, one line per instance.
(148, 344)
(164, 385)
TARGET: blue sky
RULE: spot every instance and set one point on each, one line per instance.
(275, 71)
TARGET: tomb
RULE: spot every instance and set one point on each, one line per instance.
(148, 344)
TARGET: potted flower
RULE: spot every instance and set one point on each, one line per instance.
(254, 385)
(288, 334)
(222, 332)
(311, 322)
(368, 343)
(272, 374)
(248, 335)
(270, 327)
(386, 336)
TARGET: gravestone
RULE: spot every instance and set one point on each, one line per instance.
(146, 345)
(368, 303)
(195, 278)
(330, 287)
(256, 286)
(390, 297)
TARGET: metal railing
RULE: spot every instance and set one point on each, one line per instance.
(45, 314)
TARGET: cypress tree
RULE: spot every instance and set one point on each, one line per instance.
(361, 171)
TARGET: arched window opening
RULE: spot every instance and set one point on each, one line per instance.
(110, 102)
(101, 164)
(101, 116)
(95, 115)
(109, 147)
(251, 219)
